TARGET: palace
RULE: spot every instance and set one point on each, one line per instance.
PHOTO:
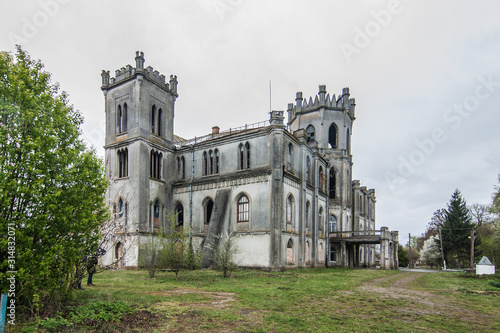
(285, 190)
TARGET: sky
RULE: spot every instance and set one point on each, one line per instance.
(425, 76)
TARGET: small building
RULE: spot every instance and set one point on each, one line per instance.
(484, 266)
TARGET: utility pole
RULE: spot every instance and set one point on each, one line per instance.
(409, 250)
(442, 252)
(472, 238)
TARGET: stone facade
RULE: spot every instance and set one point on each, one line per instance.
(285, 190)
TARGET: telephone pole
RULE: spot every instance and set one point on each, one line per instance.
(442, 253)
(409, 250)
(472, 238)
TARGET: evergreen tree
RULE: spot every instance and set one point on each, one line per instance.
(456, 231)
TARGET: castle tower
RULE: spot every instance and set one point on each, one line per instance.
(139, 108)
(327, 121)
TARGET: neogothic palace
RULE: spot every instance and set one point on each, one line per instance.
(285, 190)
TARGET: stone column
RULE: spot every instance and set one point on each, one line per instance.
(385, 238)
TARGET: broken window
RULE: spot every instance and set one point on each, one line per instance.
(310, 131)
(159, 128)
(332, 136)
(179, 215)
(153, 118)
(208, 207)
(333, 184)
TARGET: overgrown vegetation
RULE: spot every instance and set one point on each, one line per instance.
(302, 300)
(51, 188)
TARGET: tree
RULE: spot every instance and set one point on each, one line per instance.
(51, 185)
(456, 231)
(403, 256)
(480, 213)
(152, 255)
(224, 254)
(431, 251)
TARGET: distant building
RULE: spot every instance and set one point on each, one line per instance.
(285, 190)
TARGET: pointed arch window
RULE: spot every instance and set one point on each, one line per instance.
(290, 157)
(155, 164)
(289, 252)
(205, 163)
(290, 206)
(332, 136)
(243, 209)
(321, 222)
(322, 179)
(159, 128)
(121, 120)
(181, 171)
(310, 132)
(217, 160)
(179, 215)
(348, 142)
(308, 169)
(156, 214)
(153, 118)
(212, 162)
(332, 223)
(333, 184)
(308, 213)
(244, 156)
(122, 163)
(208, 208)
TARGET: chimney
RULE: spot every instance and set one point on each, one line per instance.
(215, 130)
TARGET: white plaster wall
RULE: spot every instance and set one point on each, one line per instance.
(253, 250)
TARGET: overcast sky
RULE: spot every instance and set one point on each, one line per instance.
(425, 76)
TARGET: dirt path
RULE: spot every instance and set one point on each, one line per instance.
(418, 301)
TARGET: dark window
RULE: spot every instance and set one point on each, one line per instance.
(153, 118)
(247, 150)
(156, 214)
(209, 206)
(308, 169)
(122, 163)
(121, 118)
(205, 163)
(321, 222)
(244, 156)
(333, 184)
(241, 150)
(290, 157)
(308, 213)
(348, 142)
(332, 136)
(159, 129)
(179, 215)
(124, 118)
(243, 209)
(217, 159)
(310, 131)
(211, 156)
(181, 172)
(333, 253)
(155, 164)
(121, 208)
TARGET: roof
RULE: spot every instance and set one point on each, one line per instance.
(485, 261)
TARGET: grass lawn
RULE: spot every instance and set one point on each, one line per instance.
(305, 300)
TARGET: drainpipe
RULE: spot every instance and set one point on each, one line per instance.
(191, 195)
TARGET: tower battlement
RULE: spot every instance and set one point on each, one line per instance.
(322, 100)
(125, 73)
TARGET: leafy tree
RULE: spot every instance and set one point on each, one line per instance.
(51, 186)
(456, 231)
(178, 251)
(431, 251)
(403, 256)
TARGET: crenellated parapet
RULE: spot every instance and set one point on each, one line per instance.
(128, 72)
(322, 100)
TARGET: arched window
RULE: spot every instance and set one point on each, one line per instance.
(119, 255)
(124, 117)
(289, 252)
(321, 222)
(205, 163)
(244, 156)
(180, 168)
(290, 203)
(308, 169)
(211, 156)
(332, 136)
(179, 215)
(289, 162)
(155, 160)
(216, 167)
(121, 119)
(333, 253)
(333, 184)
(156, 214)
(121, 208)
(208, 207)
(310, 131)
(308, 213)
(348, 142)
(122, 163)
(247, 155)
(322, 179)
(333, 223)
(308, 252)
(153, 118)
(243, 209)
(159, 127)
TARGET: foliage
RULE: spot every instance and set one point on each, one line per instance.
(51, 186)
(480, 214)
(224, 253)
(456, 231)
(403, 256)
(489, 233)
(169, 249)
(431, 251)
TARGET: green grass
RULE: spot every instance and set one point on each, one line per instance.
(303, 300)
